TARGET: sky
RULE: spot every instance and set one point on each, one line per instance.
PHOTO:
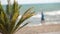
(32, 1)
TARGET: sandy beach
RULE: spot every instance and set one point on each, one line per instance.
(43, 29)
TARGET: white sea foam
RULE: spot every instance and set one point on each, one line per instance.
(34, 24)
(46, 23)
(52, 13)
(37, 16)
(45, 13)
(51, 20)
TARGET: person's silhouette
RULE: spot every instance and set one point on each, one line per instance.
(42, 17)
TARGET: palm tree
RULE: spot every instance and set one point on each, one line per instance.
(9, 16)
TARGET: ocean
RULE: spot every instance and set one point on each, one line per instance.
(51, 13)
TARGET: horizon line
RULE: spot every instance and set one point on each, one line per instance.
(35, 3)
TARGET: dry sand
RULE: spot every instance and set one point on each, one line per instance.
(43, 29)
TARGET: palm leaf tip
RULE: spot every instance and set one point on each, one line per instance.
(24, 17)
(9, 16)
(21, 27)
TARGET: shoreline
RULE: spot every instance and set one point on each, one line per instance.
(32, 25)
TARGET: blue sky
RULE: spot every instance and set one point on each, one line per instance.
(32, 1)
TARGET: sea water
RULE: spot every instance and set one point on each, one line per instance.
(51, 13)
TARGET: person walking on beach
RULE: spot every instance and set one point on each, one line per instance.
(42, 18)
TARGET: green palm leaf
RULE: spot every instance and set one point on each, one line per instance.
(3, 29)
(20, 27)
(8, 18)
(15, 14)
(24, 17)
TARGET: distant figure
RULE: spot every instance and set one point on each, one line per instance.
(42, 17)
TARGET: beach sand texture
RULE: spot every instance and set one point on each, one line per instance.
(43, 29)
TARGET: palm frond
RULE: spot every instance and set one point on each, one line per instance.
(24, 17)
(3, 29)
(14, 15)
(3, 15)
(21, 27)
(4, 19)
(9, 17)
(8, 8)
